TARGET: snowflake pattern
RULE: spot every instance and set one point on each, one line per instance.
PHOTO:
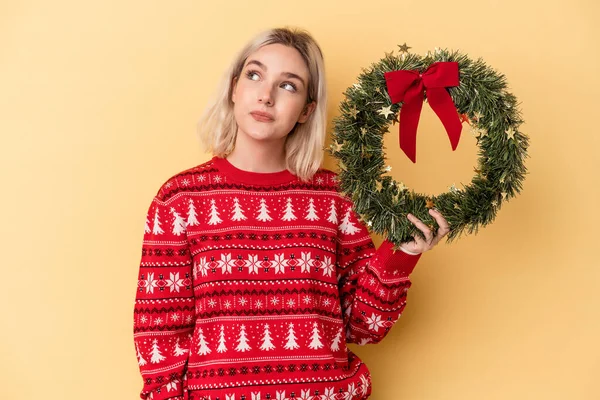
(375, 322)
(175, 283)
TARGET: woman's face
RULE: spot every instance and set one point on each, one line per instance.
(271, 93)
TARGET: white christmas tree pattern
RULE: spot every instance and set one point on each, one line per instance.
(267, 343)
(214, 214)
(147, 226)
(315, 342)
(289, 211)
(203, 349)
(348, 226)
(332, 213)
(156, 229)
(243, 340)
(335, 344)
(141, 360)
(178, 350)
(238, 213)
(263, 212)
(192, 220)
(178, 223)
(291, 343)
(155, 353)
(222, 348)
(311, 211)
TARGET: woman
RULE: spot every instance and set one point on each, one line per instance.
(255, 271)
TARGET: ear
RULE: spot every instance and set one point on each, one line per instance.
(234, 85)
(307, 111)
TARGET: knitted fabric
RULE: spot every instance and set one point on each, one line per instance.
(252, 284)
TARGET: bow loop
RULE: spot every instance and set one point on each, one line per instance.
(410, 86)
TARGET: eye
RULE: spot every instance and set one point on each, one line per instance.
(251, 74)
(290, 85)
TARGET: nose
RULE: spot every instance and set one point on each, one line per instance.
(265, 96)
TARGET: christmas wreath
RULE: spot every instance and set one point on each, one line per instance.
(459, 90)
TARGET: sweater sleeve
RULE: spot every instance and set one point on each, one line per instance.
(164, 312)
(373, 283)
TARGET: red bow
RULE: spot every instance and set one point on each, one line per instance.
(410, 86)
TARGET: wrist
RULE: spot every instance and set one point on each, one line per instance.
(396, 263)
(408, 251)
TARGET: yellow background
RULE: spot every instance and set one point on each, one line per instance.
(98, 105)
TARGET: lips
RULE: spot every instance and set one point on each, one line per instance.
(262, 116)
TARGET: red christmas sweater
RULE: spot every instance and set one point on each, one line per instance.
(252, 284)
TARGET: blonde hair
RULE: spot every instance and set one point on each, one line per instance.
(217, 127)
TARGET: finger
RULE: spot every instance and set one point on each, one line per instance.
(435, 213)
(421, 225)
(443, 224)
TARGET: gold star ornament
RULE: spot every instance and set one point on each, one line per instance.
(404, 48)
(386, 111)
(401, 186)
(510, 132)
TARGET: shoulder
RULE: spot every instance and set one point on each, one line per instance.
(327, 178)
(184, 181)
(331, 180)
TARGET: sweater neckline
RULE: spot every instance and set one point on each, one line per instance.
(236, 174)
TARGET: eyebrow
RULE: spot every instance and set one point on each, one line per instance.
(287, 74)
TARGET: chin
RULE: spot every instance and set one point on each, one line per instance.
(258, 136)
(260, 133)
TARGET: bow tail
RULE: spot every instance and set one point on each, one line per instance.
(441, 102)
(409, 121)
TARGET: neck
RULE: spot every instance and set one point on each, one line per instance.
(255, 156)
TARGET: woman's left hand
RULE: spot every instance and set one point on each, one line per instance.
(419, 245)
